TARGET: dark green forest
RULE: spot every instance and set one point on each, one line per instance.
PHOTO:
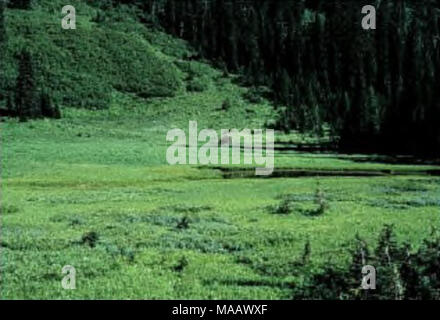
(376, 90)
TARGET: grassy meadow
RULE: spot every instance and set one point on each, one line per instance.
(180, 232)
(93, 189)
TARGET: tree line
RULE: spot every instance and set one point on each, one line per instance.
(377, 90)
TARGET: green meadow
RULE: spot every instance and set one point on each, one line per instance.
(93, 190)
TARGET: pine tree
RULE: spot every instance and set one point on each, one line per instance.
(318, 61)
(47, 107)
(2, 42)
(20, 4)
(26, 101)
(2, 24)
(284, 91)
(10, 106)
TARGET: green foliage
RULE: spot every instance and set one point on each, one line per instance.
(29, 103)
(105, 170)
(2, 25)
(183, 223)
(291, 202)
(198, 84)
(321, 201)
(401, 274)
(285, 207)
(181, 265)
(47, 107)
(305, 257)
(82, 67)
(90, 238)
(26, 99)
(227, 104)
(257, 94)
(113, 179)
(10, 105)
(374, 89)
(20, 4)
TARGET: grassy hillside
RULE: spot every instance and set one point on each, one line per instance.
(83, 67)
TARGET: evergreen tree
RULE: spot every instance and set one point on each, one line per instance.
(2, 24)
(2, 41)
(47, 107)
(26, 101)
(10, 106)
(377, 87)
(20, 4)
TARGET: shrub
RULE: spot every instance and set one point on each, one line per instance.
(257, 94)
(320, 200)
(90, 239)
(226, 105)
(47, 107)
(285, 207)
(183, 223)
(181, 264)
(401, 274)
(198, 84)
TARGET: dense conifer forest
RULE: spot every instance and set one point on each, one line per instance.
(377, 90)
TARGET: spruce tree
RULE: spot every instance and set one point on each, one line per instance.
(2, 24)
(20, 4)
(2, 43)
(317, 60)
(47, 107)
(26, 102)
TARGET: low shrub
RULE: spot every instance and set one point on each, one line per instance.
(90, 238)
(402, 273)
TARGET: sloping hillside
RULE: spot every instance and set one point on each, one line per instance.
(82, 67)
(113, 61)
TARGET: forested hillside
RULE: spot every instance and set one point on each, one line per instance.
(378, 89)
